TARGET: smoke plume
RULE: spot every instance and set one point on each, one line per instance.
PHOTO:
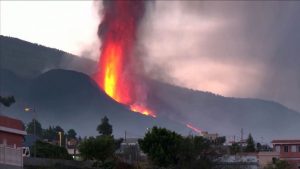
(120, 70)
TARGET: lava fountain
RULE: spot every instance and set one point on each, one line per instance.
(118, 74)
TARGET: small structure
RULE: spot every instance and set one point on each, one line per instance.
(289, 150)
(72, 148)
(11, 139)
(210, 136)
(241, 160)
(130, 151)
(266, 157)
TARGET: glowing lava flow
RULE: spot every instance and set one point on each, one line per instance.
(194, 129)
(142, 110)
(117, 74)
(113, 82)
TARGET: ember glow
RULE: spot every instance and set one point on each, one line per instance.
(142, 110)
(195, 129)
(117, 73)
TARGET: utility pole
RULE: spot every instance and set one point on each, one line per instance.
(59, 134)
(29, 109)
(242, 134)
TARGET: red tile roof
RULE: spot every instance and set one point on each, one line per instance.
(286, 141)
(11, 123)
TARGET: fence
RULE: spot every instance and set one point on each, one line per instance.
(11, 156)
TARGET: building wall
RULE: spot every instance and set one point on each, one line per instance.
(11, 139)
(11, 131)
(289, 154)
(292, 157)
(11, 156)
(265, 158)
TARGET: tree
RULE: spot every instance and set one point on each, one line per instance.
(170, 150)
(52, 134)
(7, 101)
(46, 150)
(250, 144)
(100, 148)
(258, 147)
(220, 140)
(38, 128)
(104, 128)
(193, 153)
(49, 134)
(71, 134)
(59, 129)
(162, 146)
(235, 148)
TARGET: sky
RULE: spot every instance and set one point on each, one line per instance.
(232, 48)
(66, 25)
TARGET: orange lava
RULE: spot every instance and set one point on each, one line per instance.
(116, 73)
(142, 110)
(195, 129)
(114, 84)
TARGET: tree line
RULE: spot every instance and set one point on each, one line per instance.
(51, 133)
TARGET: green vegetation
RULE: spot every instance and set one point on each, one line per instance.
(250, 144)
(104, 128)
(7, 101)
(101, 148)
(235, 148)
(162, 146)
(71, 134)
(220, 140)
(46, 150)
(168, 149)
(38, 128)
(51, 133)
(48, 140)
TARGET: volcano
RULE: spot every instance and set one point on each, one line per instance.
(73, 100)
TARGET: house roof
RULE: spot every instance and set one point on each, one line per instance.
(286, 141)
(11, 123)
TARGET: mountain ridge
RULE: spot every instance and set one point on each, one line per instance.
(71, 98)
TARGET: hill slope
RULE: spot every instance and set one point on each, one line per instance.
(227, 115)
(30, 60)
(73, 100)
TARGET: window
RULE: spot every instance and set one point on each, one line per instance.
(286, 148)
(277, 148)
(293, 148)
(299, 148)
